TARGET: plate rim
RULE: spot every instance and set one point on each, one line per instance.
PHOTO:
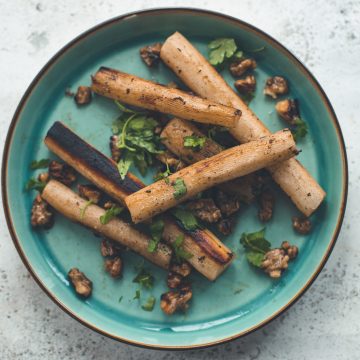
(223, 17)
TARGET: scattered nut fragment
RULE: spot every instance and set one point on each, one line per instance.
(41, 214)
(108, 248)
(151, 54)
(174, 280)
(288, 110)
(114, 266)
(239, 67)
(277, 260)
(115, 151)
(247, 85)
(267, 202)
(43, 177)
(225, 226)
(183, 269)
(173, 301)
(227, 204)
(205, 209)
(82, 285)
(174, 163)
(83, 95)
(62, 172)
(275, 86)
(90, 192)
(301, 225)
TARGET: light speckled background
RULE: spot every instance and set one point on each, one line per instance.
(325, 323)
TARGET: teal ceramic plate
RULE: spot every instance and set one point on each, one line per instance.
(241, 300)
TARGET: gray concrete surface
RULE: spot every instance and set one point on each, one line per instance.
(325, 323)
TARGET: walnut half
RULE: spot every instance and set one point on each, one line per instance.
(173, 301)
(275, 86)
(42, 214)
(82, 285)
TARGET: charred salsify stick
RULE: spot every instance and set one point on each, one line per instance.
(210, 256)
(227, 165)
(196, 72)
(136, 91)
(75, 208)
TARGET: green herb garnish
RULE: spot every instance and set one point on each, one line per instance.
(145, 279)
(195, 142)
(156, 230)
(179, 252)
(179, 188)
(164, 175)
(256, 246)
(149, 305)
(221, 49)
(186, 218)
(39, 164)
(299, 129)
(137, 295)
(83, 209)
(34, 184)
(110, 214)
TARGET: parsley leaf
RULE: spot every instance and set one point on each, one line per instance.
(39, 164)
(156, 230)
(137, 295)
(256, 246)
(145, 279)
(195, 142)
(220, 49)
(179, 188)
(186, 218)
(149, 305)
(300, 129)
(179, 252)
(34, 184)
(110, 214)
(83, 209)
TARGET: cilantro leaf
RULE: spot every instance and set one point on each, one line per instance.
(34, 184)
(195, 142)
(156, 231)
(83, 209)
(255, 258)
(124, 164)
(179, 188)
(39, 164)
(179, 252)
(145, 279)
(149, 305)
(110, 214)
(220, 49)
(300, 129)
(186, 218)
(137, 295)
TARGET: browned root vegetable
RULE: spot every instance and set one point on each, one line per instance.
(196, 72)
(227, 165)
(136, 91)
(210, 258)
(75, 208)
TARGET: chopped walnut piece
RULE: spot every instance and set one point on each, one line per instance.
(301, 225)
(173, 301)
(83, 95)
(227, 204)
(239, 67)
(267, 202)
(183, 269)
(114, 266)
(82, 285)
(42, 214)
(225, 226)
(62, 172)
(174, 280)
(174, 163)
(247, 85)
(288, 110)
(90, 192)
(43, 177)
(205, 209)
(151, 54)
(108, 248)
(275, 86)
(277, 260)
(115, 151)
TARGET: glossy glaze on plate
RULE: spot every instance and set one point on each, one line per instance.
(242, 299)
